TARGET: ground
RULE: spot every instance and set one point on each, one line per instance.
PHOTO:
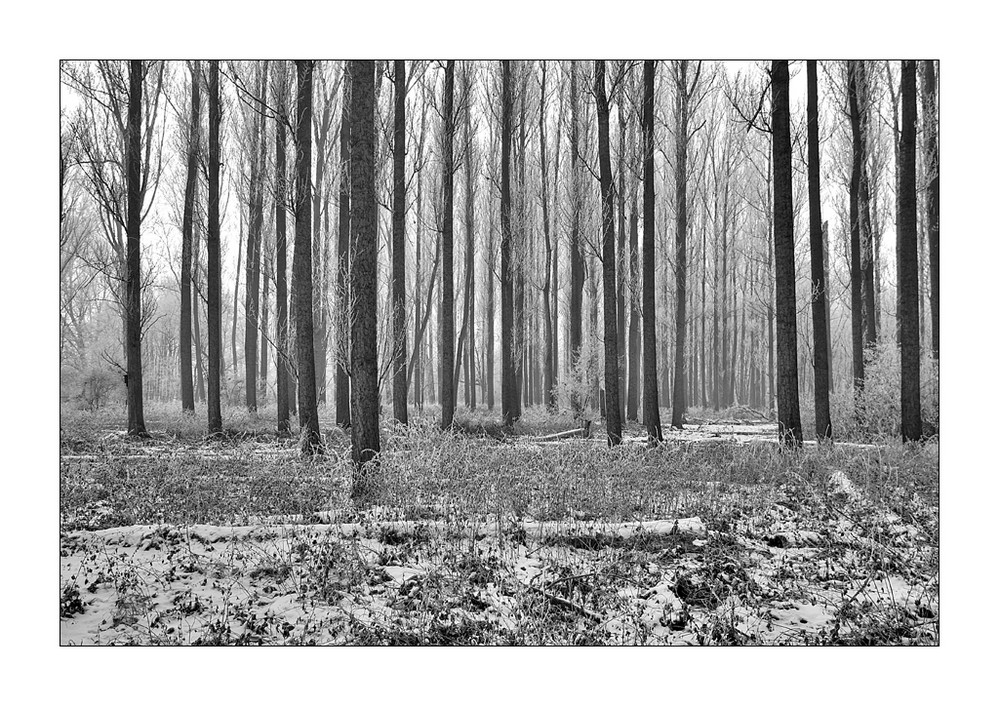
(487, 536)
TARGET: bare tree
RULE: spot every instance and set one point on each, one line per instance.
(364, 244)
(789, 423)
(650, 399)
(933, 200)
(311, 442)
(906, 245)
(214, 255)
(399, 244)
(187, 229)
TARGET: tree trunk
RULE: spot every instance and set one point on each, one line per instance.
(933, 200)
(187, 229)
(680, 201)
(857, 166)
(508, 381)
(364, 244)
(821, 365)
(311, 442)
(906, 244)
(650, 400)
(133, 324)
(214, 255)
(632, 408)
(283, 370)
(470, 252)
(344, 301)
(447, 252)
(548, 354)
(789, 424)
(576, 265)
(399, 245)
(611, 378)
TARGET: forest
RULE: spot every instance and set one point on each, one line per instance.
(517, 352)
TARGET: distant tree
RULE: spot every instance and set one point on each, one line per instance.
(311, 442)
(508, 381)
(187, 232)
(906, 244)
(821, 364)
(789, 423)
(283, 369)
(214, 254)
(614, 421)
(650, 399)
(364, 244)
(933, 200)
(399, 245)
(133, 340)
(447, 350)
(258, 162)
(548, 354)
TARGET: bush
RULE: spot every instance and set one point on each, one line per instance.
(95, 388)
(876, 411)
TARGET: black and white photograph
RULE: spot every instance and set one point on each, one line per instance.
(501, 351)
(578, 352)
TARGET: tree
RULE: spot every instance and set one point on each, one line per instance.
(447, 351)
(614, 412)
(821, 364)
(399, 244)
(364, 244)
(576, 262)
(214, 255)
(650, 399)
(681, 137)
(133, 339)
(906, 245)
(187, 230)
(311, 442)
(256, 224)
(548, 380)
(508, 381)
(933, 200)
(281, 265)
(789, 424)
(343, 246)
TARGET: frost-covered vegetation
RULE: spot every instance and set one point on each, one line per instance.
(481, 536)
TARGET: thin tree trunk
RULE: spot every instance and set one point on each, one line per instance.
(857, 165)
(933, 201)
(508, 380)
(283, 371)
(611, 377)
(187, 228)
(133, 322)
(447, 249)
(399, 245)
(214, 255)
(344, 300)
(650, 401)
(680, 201)
(821, 365)
(576, 264)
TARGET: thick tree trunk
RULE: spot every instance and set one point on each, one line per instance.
(133, 292)
(311, 442)
(399, 245)
(611, 378)
(650, 400)
(789, 424)
(931, 166)
(447, 252)
(906, 244)
(283, 371)
(680, 265)
(364, 244)
(214, 255)
(344, 301)
(821, 365)
(187, 230)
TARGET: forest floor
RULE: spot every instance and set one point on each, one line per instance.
(718, 536)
